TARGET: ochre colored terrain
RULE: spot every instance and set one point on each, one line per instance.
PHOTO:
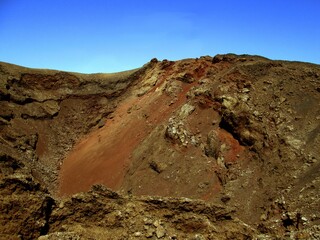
(223, 147)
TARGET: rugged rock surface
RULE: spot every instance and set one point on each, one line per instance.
(209, 148)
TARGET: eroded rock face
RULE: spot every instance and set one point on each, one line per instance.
(25, 205)
(229, 145)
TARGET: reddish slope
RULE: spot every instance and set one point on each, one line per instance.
(104, 155)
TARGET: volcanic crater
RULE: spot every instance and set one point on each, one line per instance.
(223, 147)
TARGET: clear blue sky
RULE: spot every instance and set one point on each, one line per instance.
(114, 35)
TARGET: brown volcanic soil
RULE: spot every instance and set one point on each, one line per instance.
(209, 148)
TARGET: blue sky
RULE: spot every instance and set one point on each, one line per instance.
(115, 35)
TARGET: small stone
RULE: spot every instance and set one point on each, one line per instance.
(147, 221)
(101, 123)
(137, 234)
(282, 100)
(156, 223)
(160, 232)
(225, 199)
(256, 113)
(61, 205)
(229, 102)
(263, 217)
(203, 185)
(245, 90)
(158, 166)
(149, 233)
(198, 237)
(220, 161)
(186, 110)
(213, 144)
(45, 237)
(290, 128)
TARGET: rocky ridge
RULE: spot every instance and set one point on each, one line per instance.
(222, 147)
